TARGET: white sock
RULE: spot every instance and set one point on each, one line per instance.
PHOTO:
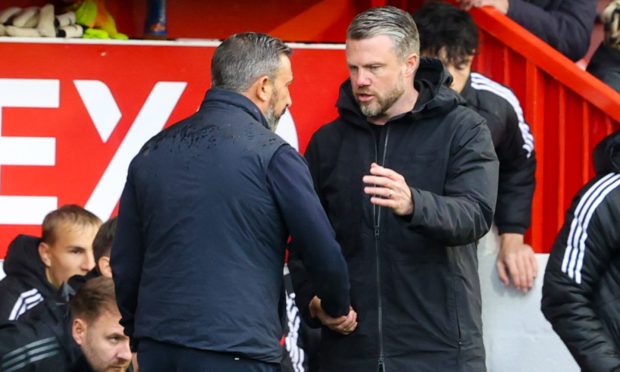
(22, 32)
(46, 21)
(70, 31)
(7, 13)
(66, 19)
(27, 17)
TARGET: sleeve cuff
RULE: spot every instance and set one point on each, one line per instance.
(503, 229)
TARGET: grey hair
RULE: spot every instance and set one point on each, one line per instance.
(242, 58)
(390, 21)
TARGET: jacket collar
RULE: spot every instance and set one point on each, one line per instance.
(218, 96)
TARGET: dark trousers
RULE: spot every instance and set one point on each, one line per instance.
(156, 356)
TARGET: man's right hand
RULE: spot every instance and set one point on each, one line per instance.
(343, 324)
(501, 5)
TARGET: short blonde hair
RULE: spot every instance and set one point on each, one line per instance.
(72, 214)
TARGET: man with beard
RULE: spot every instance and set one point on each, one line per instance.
(408, 177)
(204, 219)
(86, 338)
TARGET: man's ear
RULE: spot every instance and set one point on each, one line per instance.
(263, 88)
(44, 253)
(411, 63)
(78, 331)
(104, 266)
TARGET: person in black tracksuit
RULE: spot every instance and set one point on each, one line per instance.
(409, 184)
(566, 25)
(582, 279)
(300, 342)
(450, 34)
(204, 219)
(36, 267)
(44, 340)
(25, 284)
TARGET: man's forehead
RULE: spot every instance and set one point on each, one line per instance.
(109, 320)
(376, 47)
(77, 227)
(285, 71)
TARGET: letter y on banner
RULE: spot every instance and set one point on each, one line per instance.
(150, 120)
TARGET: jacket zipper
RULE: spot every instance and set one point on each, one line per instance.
(377, 228)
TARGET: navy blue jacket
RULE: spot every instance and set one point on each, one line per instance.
(566, 25)
(203, 223)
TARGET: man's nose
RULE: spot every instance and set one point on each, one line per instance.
(124, 352)
(362, 78)
(89, 262)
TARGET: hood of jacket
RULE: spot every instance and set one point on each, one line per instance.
(607, 154)
(431, 80)
(23, 258)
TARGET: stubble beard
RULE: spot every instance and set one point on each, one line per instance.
(273, 117)
(381, 104)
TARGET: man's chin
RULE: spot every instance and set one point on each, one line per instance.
(117, 368)
(368, 111)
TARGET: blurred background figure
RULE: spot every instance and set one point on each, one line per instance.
(605, 63)
(450, 34)
(566, 25)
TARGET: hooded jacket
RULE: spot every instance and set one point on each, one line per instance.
(582, 279)
(25, 284)
(414, 280)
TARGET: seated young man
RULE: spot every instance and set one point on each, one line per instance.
(88, 338)
(36, 267)
(450, 34)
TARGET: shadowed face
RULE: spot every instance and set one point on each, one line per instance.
(280, 97)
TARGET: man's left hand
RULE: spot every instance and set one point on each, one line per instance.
(388, 189)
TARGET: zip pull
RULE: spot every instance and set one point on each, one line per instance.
(381, 365)
(376, 231)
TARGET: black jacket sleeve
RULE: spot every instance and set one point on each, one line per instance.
(310, 228)
(581, 256)
(464, 212)
(127, 257)
(517, 167)
(567, 28)
(42, 343)
(8, 299)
